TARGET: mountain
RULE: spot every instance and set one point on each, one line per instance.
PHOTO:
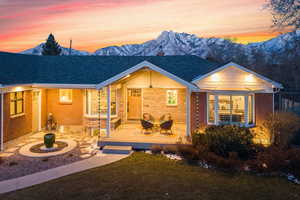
(283, 49)
(65, 51)
(279, 50)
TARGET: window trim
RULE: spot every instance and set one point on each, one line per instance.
(176, 92)
(216, 110)
(89, 108)
(15, 102)
(65, 101)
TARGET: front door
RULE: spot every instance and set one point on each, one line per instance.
(35, 111)
(134, 104)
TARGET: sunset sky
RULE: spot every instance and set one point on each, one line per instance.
(93, 24)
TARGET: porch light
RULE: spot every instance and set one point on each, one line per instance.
(215, 77)
(17, 89)
(249, 78)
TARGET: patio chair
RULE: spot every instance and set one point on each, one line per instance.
(166, 127)
(146, 126)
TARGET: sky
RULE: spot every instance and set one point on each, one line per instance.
(93, 24)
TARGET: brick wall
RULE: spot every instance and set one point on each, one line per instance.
(154, 102)
(17, 126)
(263, 106)
(65, 114)
(198, 110)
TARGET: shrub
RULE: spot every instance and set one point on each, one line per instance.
(225, 139)
(170, 149)
(296, 138)
(282, 126)
(156, 149)
(231, 163)
(188, 152)
(1, 160)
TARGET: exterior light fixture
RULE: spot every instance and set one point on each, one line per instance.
(249, 78)
(215, 77)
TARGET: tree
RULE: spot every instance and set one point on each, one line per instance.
(51, 47)
(286, 13)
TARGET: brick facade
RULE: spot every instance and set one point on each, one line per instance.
(65, 114)
(14, 127)
(263, 106)
(155, 103)
(198, 110)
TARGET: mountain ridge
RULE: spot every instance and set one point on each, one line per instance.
(280, 50)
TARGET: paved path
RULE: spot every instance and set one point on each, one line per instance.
(50, 174)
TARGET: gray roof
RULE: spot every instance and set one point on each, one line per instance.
(26, 69)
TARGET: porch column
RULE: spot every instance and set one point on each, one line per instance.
(1, 125)
(108, 112)
(188, 112)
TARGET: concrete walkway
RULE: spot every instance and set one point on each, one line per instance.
(50, 174)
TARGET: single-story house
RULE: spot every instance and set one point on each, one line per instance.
(111, 93)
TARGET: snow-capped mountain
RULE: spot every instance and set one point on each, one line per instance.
(283, 49)
(64, 51)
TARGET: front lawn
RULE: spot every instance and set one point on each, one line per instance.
(144, 176)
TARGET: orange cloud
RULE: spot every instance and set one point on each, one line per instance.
(98, 23)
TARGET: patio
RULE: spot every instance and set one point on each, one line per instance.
(131, 134)
(13, 164)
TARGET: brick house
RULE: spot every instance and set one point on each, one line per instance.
(110, 92)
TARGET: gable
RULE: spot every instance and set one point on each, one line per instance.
(235, 77)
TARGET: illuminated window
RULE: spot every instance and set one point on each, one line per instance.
(16, 103)
(65, 95)
(92, 102)
(231, 109)
(211, 108)
(172, 98)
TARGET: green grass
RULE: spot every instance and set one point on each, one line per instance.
(143, 176)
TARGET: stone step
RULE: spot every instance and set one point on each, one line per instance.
(117, 149)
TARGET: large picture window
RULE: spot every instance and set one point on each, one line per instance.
(16, 103)
(92, 102)
(230, 109)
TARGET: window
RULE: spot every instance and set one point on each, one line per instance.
(16, 103)
(92, 102)
(230, 109)
(65, 95)
(171, 97)
(211, 109)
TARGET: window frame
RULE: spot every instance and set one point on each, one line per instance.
(68, 101)
(246, 108)
(176, 96)
(15, 103)
(88, 105)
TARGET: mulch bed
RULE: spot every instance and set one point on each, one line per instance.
(37, 148)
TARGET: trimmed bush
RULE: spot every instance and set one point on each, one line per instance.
(225, 139)
(170, 149)
(156, 149)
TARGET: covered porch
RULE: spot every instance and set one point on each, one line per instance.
(124, 102)
(131, 134)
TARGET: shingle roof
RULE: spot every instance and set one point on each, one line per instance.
(22, 69)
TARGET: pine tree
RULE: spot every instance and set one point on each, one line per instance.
(51, 47)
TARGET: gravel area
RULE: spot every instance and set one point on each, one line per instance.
(14, 165)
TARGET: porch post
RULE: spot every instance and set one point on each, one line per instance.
(108, 112)
(188, 112)
(1, 131)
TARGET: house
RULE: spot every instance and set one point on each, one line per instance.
(111, 93)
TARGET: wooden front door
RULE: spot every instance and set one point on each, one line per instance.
(134, 103)
(35, 111)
